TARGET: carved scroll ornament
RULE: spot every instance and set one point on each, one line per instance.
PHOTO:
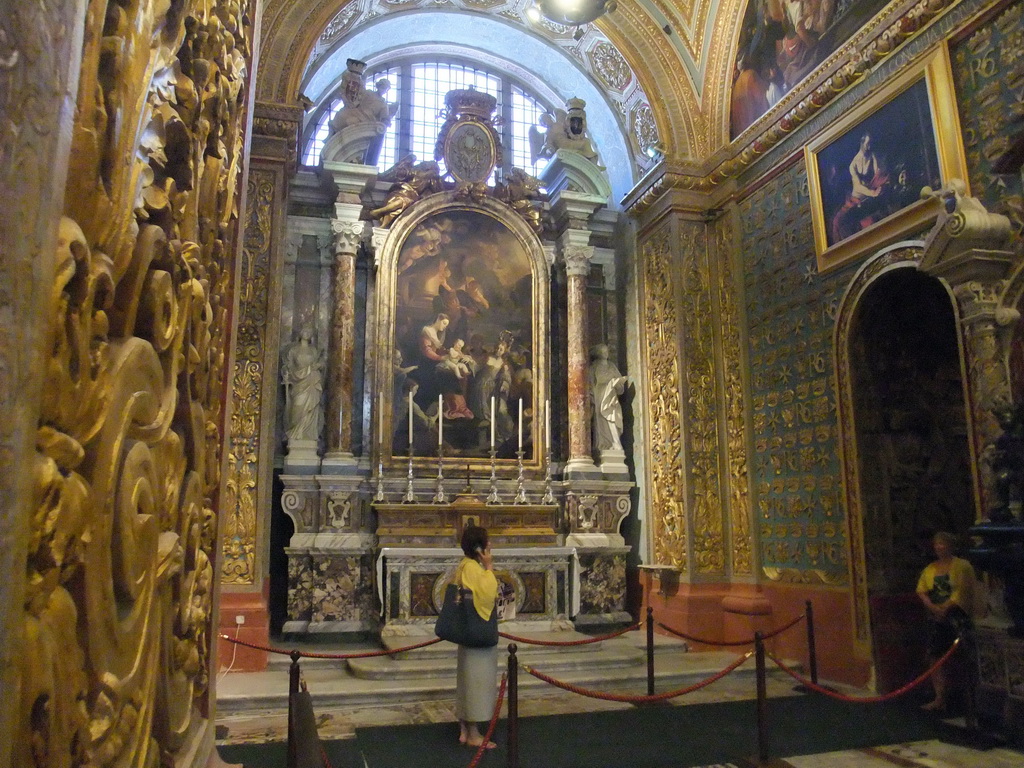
(118, 599)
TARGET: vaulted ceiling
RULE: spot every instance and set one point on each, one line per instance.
(680, 51)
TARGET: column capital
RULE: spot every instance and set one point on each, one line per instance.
(347, 235)
(577, 259)
(378, 236)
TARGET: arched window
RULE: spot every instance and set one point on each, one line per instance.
(419, 87)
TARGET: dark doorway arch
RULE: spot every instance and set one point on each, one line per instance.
(913, 449)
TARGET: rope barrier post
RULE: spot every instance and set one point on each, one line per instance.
(812, 650)
(762, 703)
(650, 651)
(293, 689)
(512, 750)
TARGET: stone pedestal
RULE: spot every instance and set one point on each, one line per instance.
(302, 458)
(613, 462)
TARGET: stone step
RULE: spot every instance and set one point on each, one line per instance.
(265, 692)
(554, 662)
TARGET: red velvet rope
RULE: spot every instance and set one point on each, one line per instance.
(870, 699)
(494, 722)
(731, 643)
(528, 641)
(308, 655)
(638, 699)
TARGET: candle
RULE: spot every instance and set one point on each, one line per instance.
(547, 425)
(410, 420)
(341, 422)
(380, 415)
(440, 419)
(492, 422)
(520, 423)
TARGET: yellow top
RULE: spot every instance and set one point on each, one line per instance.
(956, 586)
(481, 582)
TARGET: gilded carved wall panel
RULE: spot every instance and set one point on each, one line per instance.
(737, 481)
(661, 326)
(701, 431)
(791, 312)
(126, 476)
(248, 380)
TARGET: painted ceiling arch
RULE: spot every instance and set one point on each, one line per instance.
(684, 71)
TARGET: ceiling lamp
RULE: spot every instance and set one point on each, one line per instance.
(573, 12)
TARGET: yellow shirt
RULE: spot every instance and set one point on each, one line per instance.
(956, 586)
(481, 582)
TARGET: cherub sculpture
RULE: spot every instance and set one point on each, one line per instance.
(522, 192)
(566, 129)
(412, 181)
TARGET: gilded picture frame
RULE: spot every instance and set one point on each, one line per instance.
(866, 172)
(469, 276)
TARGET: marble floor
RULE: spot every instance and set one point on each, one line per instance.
(341, 722)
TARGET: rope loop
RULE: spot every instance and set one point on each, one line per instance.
(638, 699)
(297, 654)
(733, 643)
(567, 643)
(869, 699)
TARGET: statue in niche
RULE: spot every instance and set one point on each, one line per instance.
(607, 385)
(303, 387)
(361, 105)
(412, 181)
(565, 129)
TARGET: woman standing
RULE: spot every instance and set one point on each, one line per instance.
(946, 588)
(477, 670)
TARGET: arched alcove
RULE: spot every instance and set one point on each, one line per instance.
(913, 453)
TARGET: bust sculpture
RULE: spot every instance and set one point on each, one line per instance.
(303, 382)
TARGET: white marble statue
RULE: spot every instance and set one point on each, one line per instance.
(606, 387)
(361, 105)
(566, 129)
(303, 374)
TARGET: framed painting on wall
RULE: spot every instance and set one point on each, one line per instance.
(866, 173)
(463, 327)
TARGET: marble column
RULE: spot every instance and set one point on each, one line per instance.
(348, 230)
(576, 255)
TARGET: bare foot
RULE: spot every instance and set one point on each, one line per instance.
(934, 706)
(490, 744)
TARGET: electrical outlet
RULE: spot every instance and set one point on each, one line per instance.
(240, 619)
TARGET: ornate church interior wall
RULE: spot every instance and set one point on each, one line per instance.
(777, 484)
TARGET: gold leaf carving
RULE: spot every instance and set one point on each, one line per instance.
(661, 321)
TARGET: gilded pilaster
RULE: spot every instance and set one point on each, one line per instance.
(669, 528)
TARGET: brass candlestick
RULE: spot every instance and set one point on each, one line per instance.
(520, 482)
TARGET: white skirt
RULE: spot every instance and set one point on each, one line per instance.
(476, 684)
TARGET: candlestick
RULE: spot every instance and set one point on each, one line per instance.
(440, 423)
(520, 423)
(492, 497)
(380, 426)
(379, 496)
(440, 497)
(410, 494)
(492, 422)
(548, 497)
(520, 481)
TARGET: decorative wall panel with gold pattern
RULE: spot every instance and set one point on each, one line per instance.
(988, 70)
(119, 576)
(240, 503)
(737, 479)
(701, 431)
(791, 312)
(661, 327)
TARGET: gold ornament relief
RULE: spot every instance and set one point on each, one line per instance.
(240, 502)
(661, 322)
(118, 600)
(735, 425)
(702, 402)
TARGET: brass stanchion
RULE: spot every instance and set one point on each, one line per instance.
(762, 703)
(650, 651)
(512, 749)
(293, 690)
(812, 651)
